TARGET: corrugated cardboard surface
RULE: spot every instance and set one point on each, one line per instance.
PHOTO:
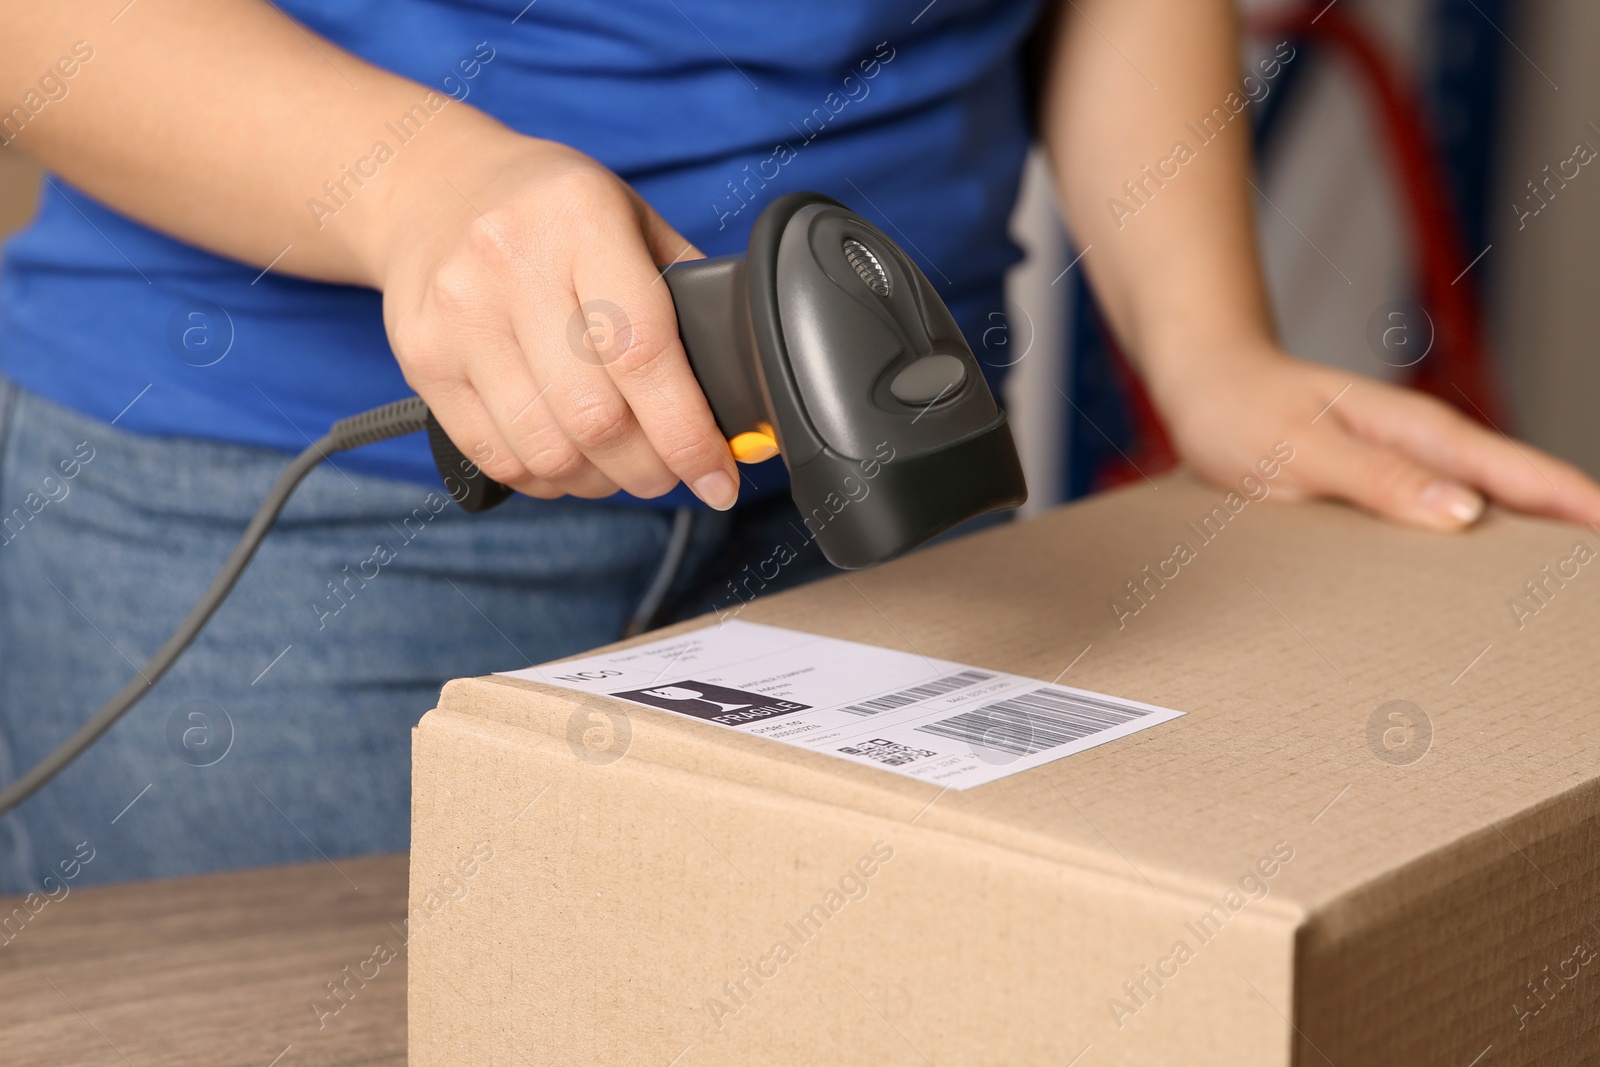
(1434, 910)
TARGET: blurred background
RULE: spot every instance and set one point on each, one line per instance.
(1401, 147)
(1419, 217)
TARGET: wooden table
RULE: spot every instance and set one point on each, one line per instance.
(212, 971)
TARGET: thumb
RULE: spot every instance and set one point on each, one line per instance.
(1389, 484)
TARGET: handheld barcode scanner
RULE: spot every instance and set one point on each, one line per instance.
(825, 344)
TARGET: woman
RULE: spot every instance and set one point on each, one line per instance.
(264, 217)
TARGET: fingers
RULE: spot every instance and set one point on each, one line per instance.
(1512, 472)
(541, 331)
(1397, 453)
(1561, 490)
(646, 363)
(1386, 482)
(577, 418)
(479, 386)
(530, 465)
(606, 354)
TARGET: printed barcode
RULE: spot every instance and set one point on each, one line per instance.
(1035, 721)
(889, 753)
(922, 692)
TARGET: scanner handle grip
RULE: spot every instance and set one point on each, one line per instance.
(467, 485)
(714, 324)
(713, 305)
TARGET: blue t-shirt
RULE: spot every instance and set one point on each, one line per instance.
(911, 113)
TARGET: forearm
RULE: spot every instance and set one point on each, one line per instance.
(220, 122)
(1175, 265)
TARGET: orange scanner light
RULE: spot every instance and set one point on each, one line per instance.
(754, 446)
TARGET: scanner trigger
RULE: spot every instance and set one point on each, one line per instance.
(754, 446)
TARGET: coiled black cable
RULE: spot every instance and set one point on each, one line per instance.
(379, 424)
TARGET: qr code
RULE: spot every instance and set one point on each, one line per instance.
(888, 753)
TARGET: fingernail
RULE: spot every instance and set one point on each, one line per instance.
(1448, 498)
(717, 489)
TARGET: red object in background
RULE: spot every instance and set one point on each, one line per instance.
(1457, 370)
(1151, 451)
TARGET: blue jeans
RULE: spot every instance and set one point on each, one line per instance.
(284, 732)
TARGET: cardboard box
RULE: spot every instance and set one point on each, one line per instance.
(1298, 871)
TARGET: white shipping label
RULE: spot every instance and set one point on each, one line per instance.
(942, 722)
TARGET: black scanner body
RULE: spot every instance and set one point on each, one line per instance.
(825, 337)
